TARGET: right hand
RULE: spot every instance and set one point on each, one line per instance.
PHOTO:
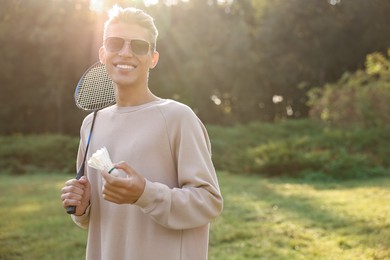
(76, 193)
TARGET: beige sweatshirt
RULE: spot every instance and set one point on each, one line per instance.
(166, 143)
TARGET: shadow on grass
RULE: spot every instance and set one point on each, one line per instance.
(292, 215)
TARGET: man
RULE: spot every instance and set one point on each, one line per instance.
(163, 208)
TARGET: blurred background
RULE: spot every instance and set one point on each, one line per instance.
(231, 61)
(294, 94)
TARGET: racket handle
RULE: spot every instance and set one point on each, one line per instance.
(80, 173)
(71, 209)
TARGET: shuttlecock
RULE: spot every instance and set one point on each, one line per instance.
(101, 160)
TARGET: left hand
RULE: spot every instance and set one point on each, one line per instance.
(123, 190)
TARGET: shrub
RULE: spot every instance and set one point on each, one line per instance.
(359, 99)
(294, 148)
(302, 148)
(21, 154)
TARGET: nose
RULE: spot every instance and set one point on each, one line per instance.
(126, 49)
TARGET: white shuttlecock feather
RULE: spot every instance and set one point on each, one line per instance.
(101, 160)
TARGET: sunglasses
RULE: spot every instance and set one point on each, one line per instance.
(116, 44)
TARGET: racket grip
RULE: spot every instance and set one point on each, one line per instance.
(71, 209)
(80, 173)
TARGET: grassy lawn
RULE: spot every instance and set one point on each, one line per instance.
(282, 219)
(262, 219)
(32, 222)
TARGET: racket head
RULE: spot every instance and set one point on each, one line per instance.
(95, 89)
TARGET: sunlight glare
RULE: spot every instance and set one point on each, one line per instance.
(216, 100)
(277, 99)
(99, 5)
(96, 5)
(228, 2)
(334, 2)
(289, 111)
(150, 2)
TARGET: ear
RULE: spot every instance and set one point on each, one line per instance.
(102, 55)
(154, 62)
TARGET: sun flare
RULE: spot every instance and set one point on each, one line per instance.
(100, 5)
(96, 5)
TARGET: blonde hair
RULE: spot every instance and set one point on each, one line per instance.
(131, 15)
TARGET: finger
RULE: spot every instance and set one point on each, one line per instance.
(72, 196)
(83, 180)
(73, 189)
(111, 195)
(75, 183)
(113, 185)
(107, 177)
(71, 200)
(124, 167)
(68, 202)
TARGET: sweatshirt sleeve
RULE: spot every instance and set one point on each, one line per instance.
(83, 220)
(197, 200)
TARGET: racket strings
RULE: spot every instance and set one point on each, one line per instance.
(95, 90)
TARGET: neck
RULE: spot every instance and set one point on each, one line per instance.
(126, 97)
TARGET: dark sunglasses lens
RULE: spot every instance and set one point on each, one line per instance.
(139, 47)
(114, 44)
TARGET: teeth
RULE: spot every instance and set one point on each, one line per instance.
(126, 67)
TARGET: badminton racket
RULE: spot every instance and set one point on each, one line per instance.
(95, 90)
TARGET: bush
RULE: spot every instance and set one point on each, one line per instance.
(21, 154)
(359, 99)
(295, 148)
(302, 148)
(232, 146)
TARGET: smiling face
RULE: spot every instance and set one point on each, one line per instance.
(126, 68)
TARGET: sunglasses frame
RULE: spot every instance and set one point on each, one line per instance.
(124, 41)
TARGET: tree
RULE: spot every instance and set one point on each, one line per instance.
(231, 61)
(308, 43)
(41, 63)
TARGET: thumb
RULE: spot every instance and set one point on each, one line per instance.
(122, 170)
(83, 180)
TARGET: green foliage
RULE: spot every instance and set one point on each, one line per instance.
(294, 55)
(53, 41)
(48, 153)
(296, 148)
(302, 148)
(359, 99)
(225, 59)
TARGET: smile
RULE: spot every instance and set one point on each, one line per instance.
(125, 66)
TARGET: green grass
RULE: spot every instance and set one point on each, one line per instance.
(291, 219)
(263, 218)
(324, 204)
(32, 222)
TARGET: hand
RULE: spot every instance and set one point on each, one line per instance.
(76, 193)
(123, 190)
